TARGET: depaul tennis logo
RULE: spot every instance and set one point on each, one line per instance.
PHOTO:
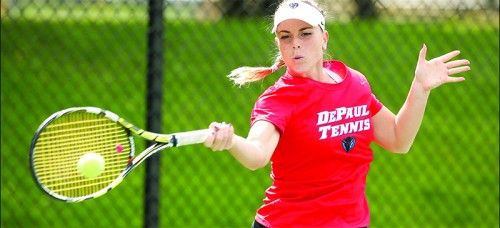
(348, 143)
(343, 121)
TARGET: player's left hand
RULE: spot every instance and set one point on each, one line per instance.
(435, 72)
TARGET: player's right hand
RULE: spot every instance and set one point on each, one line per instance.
(221, 137)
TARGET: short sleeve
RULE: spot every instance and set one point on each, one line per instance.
(272, 107)
(375, 105)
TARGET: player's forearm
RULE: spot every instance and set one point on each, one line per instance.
(409, 117)
(248, 153)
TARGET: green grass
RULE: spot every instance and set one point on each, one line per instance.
(449, 179)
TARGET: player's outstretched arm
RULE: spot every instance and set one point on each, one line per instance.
(253, 152)
(396, 133)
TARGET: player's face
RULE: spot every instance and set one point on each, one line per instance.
(301, 46)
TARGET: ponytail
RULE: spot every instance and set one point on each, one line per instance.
(244, 75)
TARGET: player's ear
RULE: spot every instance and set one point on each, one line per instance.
(325, 39)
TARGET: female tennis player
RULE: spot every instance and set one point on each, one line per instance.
(316, 123)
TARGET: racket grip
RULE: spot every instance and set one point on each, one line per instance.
(191, 137)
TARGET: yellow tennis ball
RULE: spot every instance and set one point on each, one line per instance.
(91, 165)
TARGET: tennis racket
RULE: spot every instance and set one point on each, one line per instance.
(67, 135)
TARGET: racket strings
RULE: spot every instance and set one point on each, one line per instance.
(69, 150)
(66, 139)
(60, 136)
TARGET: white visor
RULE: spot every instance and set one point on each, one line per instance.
(299, 10)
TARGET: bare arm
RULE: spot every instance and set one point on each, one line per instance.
(397, 132)
(253, 152)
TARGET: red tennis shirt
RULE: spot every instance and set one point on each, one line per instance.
(320, 164)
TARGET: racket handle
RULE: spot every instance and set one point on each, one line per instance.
(191, 137)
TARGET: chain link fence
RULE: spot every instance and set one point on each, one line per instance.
(58, 54)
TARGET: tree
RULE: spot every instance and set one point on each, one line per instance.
(242, 8)
(366, 9)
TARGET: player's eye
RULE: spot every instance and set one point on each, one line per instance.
(282, 37)
(306, 33)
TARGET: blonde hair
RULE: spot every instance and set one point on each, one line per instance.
(244, 75)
